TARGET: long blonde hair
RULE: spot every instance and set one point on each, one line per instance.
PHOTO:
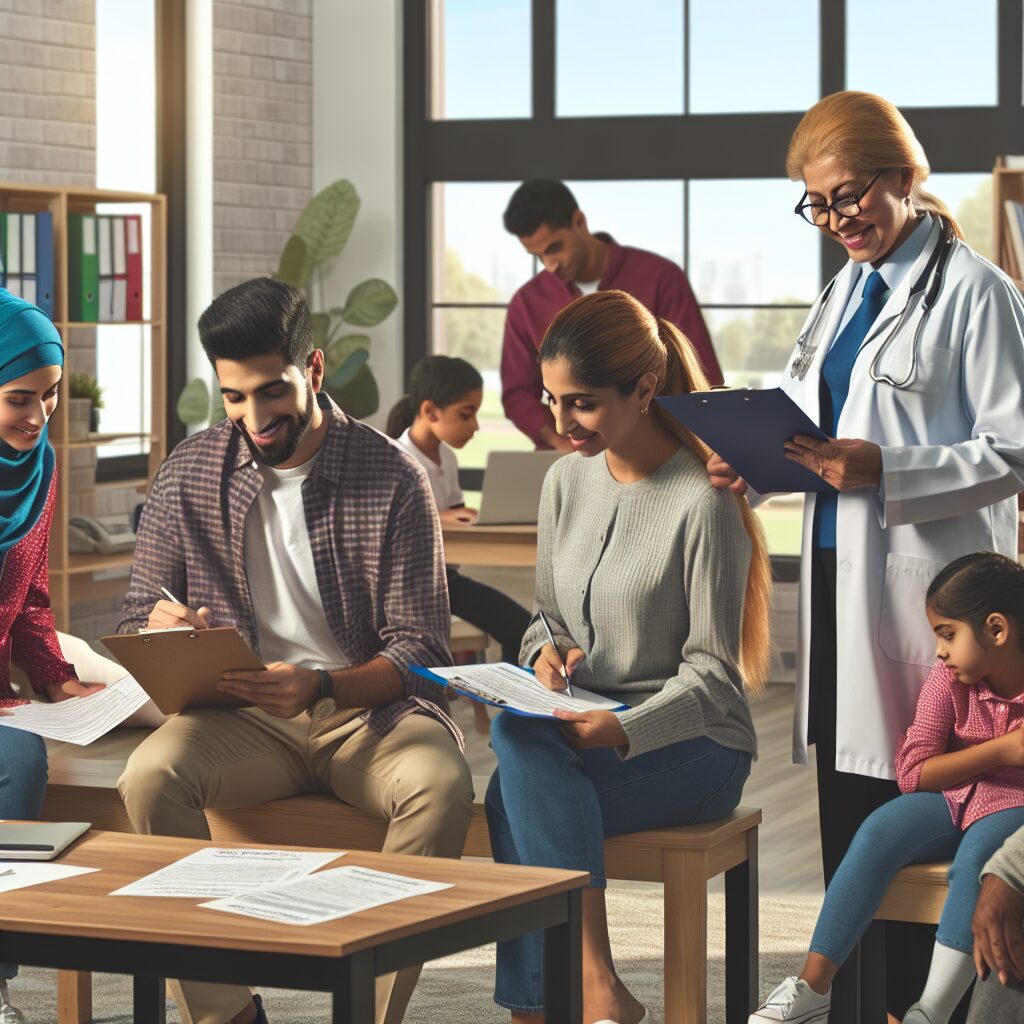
(609, 339)
(867, 133)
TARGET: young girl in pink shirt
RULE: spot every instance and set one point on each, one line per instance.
(960, 767)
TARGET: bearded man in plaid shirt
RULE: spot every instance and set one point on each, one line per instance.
(316, 538)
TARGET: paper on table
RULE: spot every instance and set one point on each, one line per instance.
(327, 895)
(21, 874)
(513, 688)
(81, 719)
(216, 872)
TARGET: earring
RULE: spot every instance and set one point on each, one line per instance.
(643, 411)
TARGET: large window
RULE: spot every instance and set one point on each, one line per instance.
(671, 127)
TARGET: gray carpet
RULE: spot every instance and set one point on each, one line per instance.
(457, 990)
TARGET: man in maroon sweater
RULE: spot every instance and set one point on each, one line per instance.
(546, 218)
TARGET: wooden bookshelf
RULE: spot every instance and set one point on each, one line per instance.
(71, 576)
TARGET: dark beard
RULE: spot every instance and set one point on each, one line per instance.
(284, 450)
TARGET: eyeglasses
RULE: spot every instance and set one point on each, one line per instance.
(819, 214)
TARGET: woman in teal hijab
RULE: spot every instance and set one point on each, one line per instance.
(31, 366)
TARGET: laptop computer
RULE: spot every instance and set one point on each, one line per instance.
(512, 485)
(37, 840)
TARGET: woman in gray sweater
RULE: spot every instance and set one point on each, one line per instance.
(657, 588)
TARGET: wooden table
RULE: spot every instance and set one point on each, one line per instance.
(490, 545)
(74, 924)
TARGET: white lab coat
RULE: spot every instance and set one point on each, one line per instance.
(952, 463)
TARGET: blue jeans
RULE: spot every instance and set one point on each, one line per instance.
(912, 829)
(22, 785)
(549, 805)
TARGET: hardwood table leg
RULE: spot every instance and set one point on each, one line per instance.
(686, 936)
(563, 965)
(149, 1000)
(741, 936)
(74, 997)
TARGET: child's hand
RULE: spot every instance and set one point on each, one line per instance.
(1011, 748)
(458, 516)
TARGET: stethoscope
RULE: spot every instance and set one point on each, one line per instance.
(920, 300)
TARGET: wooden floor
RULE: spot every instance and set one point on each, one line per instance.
(790, 851)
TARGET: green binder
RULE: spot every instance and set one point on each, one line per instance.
(83, 269)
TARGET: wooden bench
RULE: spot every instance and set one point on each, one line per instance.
(82, 787)
(917, 894)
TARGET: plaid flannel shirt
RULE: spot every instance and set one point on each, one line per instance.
(374, 533)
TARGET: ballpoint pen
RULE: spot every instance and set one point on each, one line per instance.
(171, 597)
(551, 637)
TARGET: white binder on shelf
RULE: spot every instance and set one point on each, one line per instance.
(120, 297)
(14, 246)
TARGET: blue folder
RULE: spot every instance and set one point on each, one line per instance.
(44, 262)
(748, 429)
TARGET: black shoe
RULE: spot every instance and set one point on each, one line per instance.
(261, 1014)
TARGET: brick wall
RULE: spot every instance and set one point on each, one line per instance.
(48, 91)
(262, 132)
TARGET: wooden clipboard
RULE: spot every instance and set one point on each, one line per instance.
(179, 669)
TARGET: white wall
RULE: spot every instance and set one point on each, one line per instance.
(356, 135)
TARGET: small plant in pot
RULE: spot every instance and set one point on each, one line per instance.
(85, 401)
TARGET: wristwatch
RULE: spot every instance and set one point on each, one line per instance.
(323, 707)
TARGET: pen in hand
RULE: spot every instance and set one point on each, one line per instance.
(171, 597)
(551, 637)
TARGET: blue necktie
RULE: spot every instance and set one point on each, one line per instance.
(836, 373)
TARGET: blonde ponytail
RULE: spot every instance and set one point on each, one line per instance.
(683, 375)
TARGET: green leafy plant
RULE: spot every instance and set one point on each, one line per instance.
(83, 385)
(321, 232)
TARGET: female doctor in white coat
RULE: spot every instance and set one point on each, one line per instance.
(912, 362)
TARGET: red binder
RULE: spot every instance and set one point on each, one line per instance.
(133, 265)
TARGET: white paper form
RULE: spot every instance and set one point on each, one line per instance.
(81, 719)
(216, 872)
(326, 896)
(21, 874)
(512, 687)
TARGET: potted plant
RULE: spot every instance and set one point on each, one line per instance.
(320, 234)
(85, 399)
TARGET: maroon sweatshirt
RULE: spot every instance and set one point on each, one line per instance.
(657, 282)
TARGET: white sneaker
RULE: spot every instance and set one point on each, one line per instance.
(915, 1015)
(9, 1014)
(794, 1000)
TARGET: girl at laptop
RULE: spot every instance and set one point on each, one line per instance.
(437, 415)
(657, 588)
(31, 362)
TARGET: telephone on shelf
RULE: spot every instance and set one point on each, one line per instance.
(87, 535)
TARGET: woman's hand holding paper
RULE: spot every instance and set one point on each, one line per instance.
(845, 463)
(587, 729)
(72, 688)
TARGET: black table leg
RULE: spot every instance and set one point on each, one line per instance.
(563, 965)
(149, 1000)
(354, 999)
(741, 936)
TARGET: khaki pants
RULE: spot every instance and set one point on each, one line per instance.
(414, 778)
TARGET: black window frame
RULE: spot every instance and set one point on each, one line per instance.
(678, 147)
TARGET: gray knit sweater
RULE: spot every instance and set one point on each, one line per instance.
(648, 578)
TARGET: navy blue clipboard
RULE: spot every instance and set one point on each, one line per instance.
(748, 428)
(481, 698)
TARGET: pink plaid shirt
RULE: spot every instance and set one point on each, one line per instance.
(953, 716)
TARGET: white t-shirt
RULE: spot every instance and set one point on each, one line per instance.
(588, 287)
(444, 479)
(290, 620)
